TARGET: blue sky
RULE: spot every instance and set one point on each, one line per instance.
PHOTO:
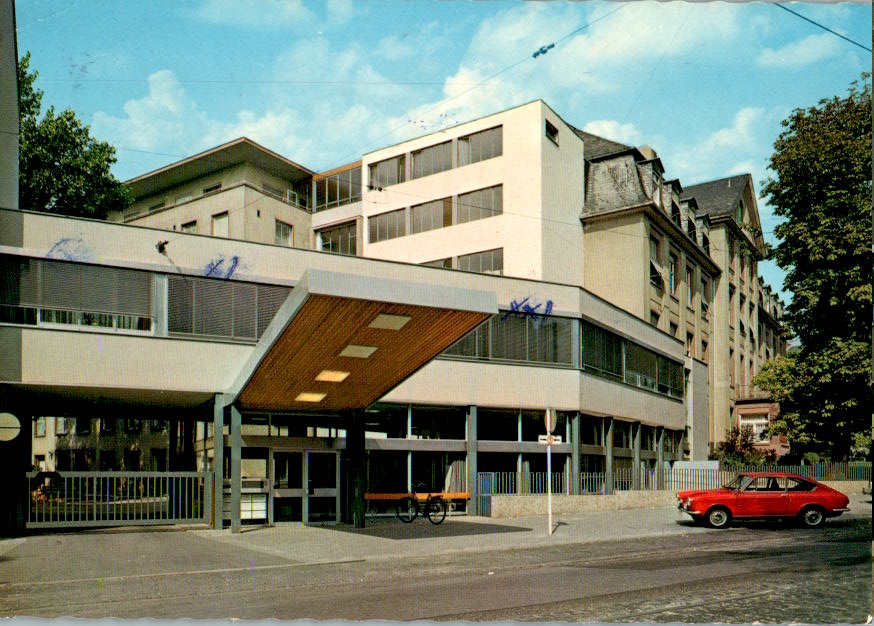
(705, 84)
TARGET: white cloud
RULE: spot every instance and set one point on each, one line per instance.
(615, 131)
(798, 54)
(342, 11)
(394, 48)
(166, 116)
(260, 13)
(615, 53)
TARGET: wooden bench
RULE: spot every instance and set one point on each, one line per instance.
(391, 497)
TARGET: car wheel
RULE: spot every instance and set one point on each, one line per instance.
(812, 517)
(718, 517)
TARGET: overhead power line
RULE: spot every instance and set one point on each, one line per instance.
(825, 28)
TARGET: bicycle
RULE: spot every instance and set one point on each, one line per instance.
(433, 507)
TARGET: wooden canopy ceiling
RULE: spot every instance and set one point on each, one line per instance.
(401, 326)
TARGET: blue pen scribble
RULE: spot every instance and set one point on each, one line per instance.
(71, 249)
(215, 267)
(524, 308)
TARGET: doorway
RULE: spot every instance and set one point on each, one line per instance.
(305, 486)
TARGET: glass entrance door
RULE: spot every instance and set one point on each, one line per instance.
(306, 486)
(288, 491)
(323, 476)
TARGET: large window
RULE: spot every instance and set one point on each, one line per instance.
(601, 351)
(672, 274)
(519, 338)
(641, 366)
(431, 215)
(488, 262)
(480, 146)
(431, 160)
(549, 340)
(480, 204)
(220, 225)
(39, 291)
(655, 263)
(387, 226)
(388, 172)
(339, 239)
(690, 287)
(338, 189)
(221, 308)
(282, 234)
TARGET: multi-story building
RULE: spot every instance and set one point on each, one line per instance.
(605, 305)
(285, 353)
(519, 193)
(745, 310)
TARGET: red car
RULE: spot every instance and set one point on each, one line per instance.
(757, 495)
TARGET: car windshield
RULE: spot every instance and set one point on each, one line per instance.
(735, 483)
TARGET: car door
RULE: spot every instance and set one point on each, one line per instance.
(762, 497)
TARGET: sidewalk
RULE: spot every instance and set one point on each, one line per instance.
(387, 538)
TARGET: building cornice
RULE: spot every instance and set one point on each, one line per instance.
(665, 223)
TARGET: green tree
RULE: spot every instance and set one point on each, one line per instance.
(822, 188)
(62, 169)
(738, 449)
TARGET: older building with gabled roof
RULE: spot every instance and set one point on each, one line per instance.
(746, 309)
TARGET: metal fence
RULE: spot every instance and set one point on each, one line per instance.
(86, 499)
(673, 479)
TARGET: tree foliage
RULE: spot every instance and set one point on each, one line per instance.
(62, 169)
(822, 188)
(738, 449)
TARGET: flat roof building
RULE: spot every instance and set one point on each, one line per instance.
(306, 321)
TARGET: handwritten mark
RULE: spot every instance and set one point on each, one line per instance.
(216, 267)
(71, 249)
(525, 308)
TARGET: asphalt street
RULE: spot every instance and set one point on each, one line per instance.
(592, 569)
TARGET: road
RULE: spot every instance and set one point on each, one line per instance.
(752, 572)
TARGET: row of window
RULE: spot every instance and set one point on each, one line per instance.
(282, 231)
(221, 308)
(469, 149)
(671, 282)
(465, 207)
(84, 426)
(549, 340)
(337, 189)
(45, 292)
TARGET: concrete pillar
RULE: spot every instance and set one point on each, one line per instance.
(472, 486)
(519, 455)
(218, 460)
(635, 463)
(357, 466)
(608, 452)
(236, 468)
(660, 458)
(409, 452)
(575, 454)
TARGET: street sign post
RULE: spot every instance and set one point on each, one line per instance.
(549, 420)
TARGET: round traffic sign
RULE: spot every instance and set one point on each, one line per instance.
(9, 427)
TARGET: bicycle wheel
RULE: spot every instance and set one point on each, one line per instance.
(407, 510)
(435, 510)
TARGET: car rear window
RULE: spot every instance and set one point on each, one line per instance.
(800, 485)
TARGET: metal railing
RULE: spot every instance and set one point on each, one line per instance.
(672, 479)
(84, 499)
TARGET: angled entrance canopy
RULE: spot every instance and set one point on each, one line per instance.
(342, 341)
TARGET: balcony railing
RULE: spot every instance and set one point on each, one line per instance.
(750, 392)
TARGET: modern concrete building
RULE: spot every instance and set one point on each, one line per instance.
(118, 322)
(586, 285)
(518, 193)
